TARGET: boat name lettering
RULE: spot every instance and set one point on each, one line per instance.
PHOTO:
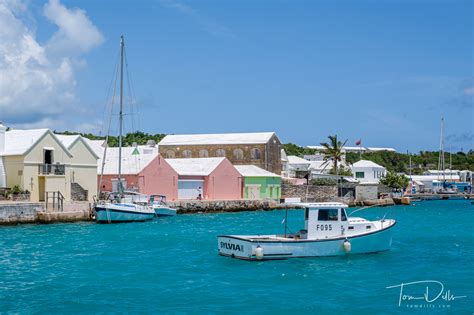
(323, 227)
(231, 246)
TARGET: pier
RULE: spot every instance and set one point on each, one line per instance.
(440, 196)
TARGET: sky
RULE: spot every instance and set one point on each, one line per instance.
(384, 72)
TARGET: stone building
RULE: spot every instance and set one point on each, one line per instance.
(259, 149)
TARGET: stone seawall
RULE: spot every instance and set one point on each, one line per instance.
(70, 216)
(313, 193)
(197, 206)
(29, 212)
(21, 212)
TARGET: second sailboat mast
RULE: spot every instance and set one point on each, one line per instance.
(122, 43)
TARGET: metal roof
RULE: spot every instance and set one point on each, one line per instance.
(215, 139)
(366, 163)
(134, 160)
(20, 142)
(195, 166)
(254, 171)
(293, 159)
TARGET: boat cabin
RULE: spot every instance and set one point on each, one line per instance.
(329, 219)
(324, 220)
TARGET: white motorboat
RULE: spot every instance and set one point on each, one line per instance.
(328, 231)
(161, 207)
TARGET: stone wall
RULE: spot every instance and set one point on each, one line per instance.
(13, 213)
(31, 212)
(366, 192)
(314, 193)
(196, 206)
(78, 193)
(269, 157)
(70, 216)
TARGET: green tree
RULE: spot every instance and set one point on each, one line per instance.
(343, 171)
(293, 149)
(394, 180)
(333, 152)
(138, 137)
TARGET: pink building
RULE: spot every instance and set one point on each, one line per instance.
(145, 171)
(206, 178)
(137, 165)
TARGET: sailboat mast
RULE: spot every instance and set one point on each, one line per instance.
(451, 166)
(441, 164)
(120, 188)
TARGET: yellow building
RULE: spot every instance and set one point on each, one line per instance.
(39, 161)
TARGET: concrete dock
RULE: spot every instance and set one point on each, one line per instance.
(12, 213)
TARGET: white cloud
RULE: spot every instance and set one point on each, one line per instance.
(76, 33)
(37, 81)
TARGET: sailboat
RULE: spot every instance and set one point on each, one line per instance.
(120, 207)
(441, 184)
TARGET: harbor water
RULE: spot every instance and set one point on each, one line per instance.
(171, 265)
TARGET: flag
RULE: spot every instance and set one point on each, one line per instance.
(358, 142)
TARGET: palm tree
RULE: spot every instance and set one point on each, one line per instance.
(333, 152)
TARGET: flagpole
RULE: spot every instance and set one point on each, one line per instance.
(360, 149)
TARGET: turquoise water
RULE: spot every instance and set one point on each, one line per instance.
(171, 265)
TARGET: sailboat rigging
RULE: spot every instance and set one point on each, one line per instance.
(121, 208)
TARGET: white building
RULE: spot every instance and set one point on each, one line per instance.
(425, 182)
(284, 163)
(354, 149)
(297, 165)
(452, 175)
(314, 157)
(367, 171)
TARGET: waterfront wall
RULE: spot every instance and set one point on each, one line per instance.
(198, 206)
(21, 212)
(35, 212)
(314, 193)
(69, 216)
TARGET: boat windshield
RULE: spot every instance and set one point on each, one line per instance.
(328, 215)
(343, 215)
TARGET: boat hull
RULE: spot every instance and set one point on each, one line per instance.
(243, 248)
(164, 211)
(117, 213)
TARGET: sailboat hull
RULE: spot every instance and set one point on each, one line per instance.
(116, 213)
